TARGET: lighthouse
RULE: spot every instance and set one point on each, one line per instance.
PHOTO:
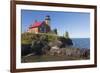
(47, 20)
(40, 27)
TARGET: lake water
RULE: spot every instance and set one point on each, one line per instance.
(81, 43)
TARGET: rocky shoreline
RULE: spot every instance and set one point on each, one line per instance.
(58, 55)
(66, 52)
(50, 47)
(76, 52)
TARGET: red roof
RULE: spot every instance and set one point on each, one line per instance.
(36, 24)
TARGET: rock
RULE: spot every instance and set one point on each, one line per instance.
(65, 42)
(46, 49)
(69, 52)
(85, 52)
(54, 50)
(25, 49)
(55, 43)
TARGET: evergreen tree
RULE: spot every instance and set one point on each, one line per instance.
(66, 34)
(55, 31)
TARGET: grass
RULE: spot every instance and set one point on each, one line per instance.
(46, 58)
(27, 38)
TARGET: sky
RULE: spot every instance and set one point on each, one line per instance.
(77, 24)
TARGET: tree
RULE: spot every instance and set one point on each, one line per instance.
(66, 34)
(55, 31)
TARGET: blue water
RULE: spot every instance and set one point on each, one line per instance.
(81, 43)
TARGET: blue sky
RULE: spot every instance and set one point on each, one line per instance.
(76, 23)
